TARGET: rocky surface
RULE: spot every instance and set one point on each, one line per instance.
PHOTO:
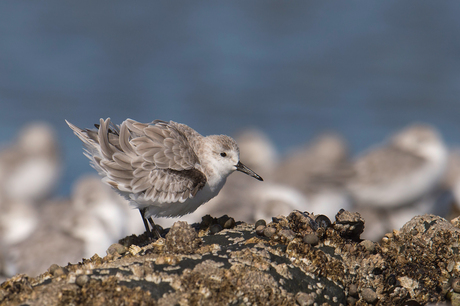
(299, 259)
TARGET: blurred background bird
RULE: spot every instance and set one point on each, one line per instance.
(402, 178)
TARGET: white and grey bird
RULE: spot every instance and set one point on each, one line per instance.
(408, 167)
(165, 169)
(395, 181)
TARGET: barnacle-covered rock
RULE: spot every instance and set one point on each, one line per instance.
(182, 238)
(348, 224)
(294, 259)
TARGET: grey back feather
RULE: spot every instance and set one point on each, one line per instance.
(155, 161)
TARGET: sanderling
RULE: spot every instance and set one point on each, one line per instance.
(30, 168)
(316, 165)
(408, 167)
(29, 171)
(395, 181)
(165, 169)
(52, 241)
(319, 170)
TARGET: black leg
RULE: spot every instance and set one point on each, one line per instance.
(155, 231)
(146, 224)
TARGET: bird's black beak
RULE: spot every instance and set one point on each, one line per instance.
(244, 169)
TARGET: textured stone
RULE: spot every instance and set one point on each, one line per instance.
(311, 239)
(181, 238)
(369, 295)
(117, 248)
(260, 222)
(349, 225)
(237, 266)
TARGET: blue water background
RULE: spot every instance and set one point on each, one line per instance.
(291, 68)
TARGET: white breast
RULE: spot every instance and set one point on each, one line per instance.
(178, 209)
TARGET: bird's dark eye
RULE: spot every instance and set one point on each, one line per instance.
(223, 154)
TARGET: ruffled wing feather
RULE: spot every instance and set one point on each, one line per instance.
(149, 162)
